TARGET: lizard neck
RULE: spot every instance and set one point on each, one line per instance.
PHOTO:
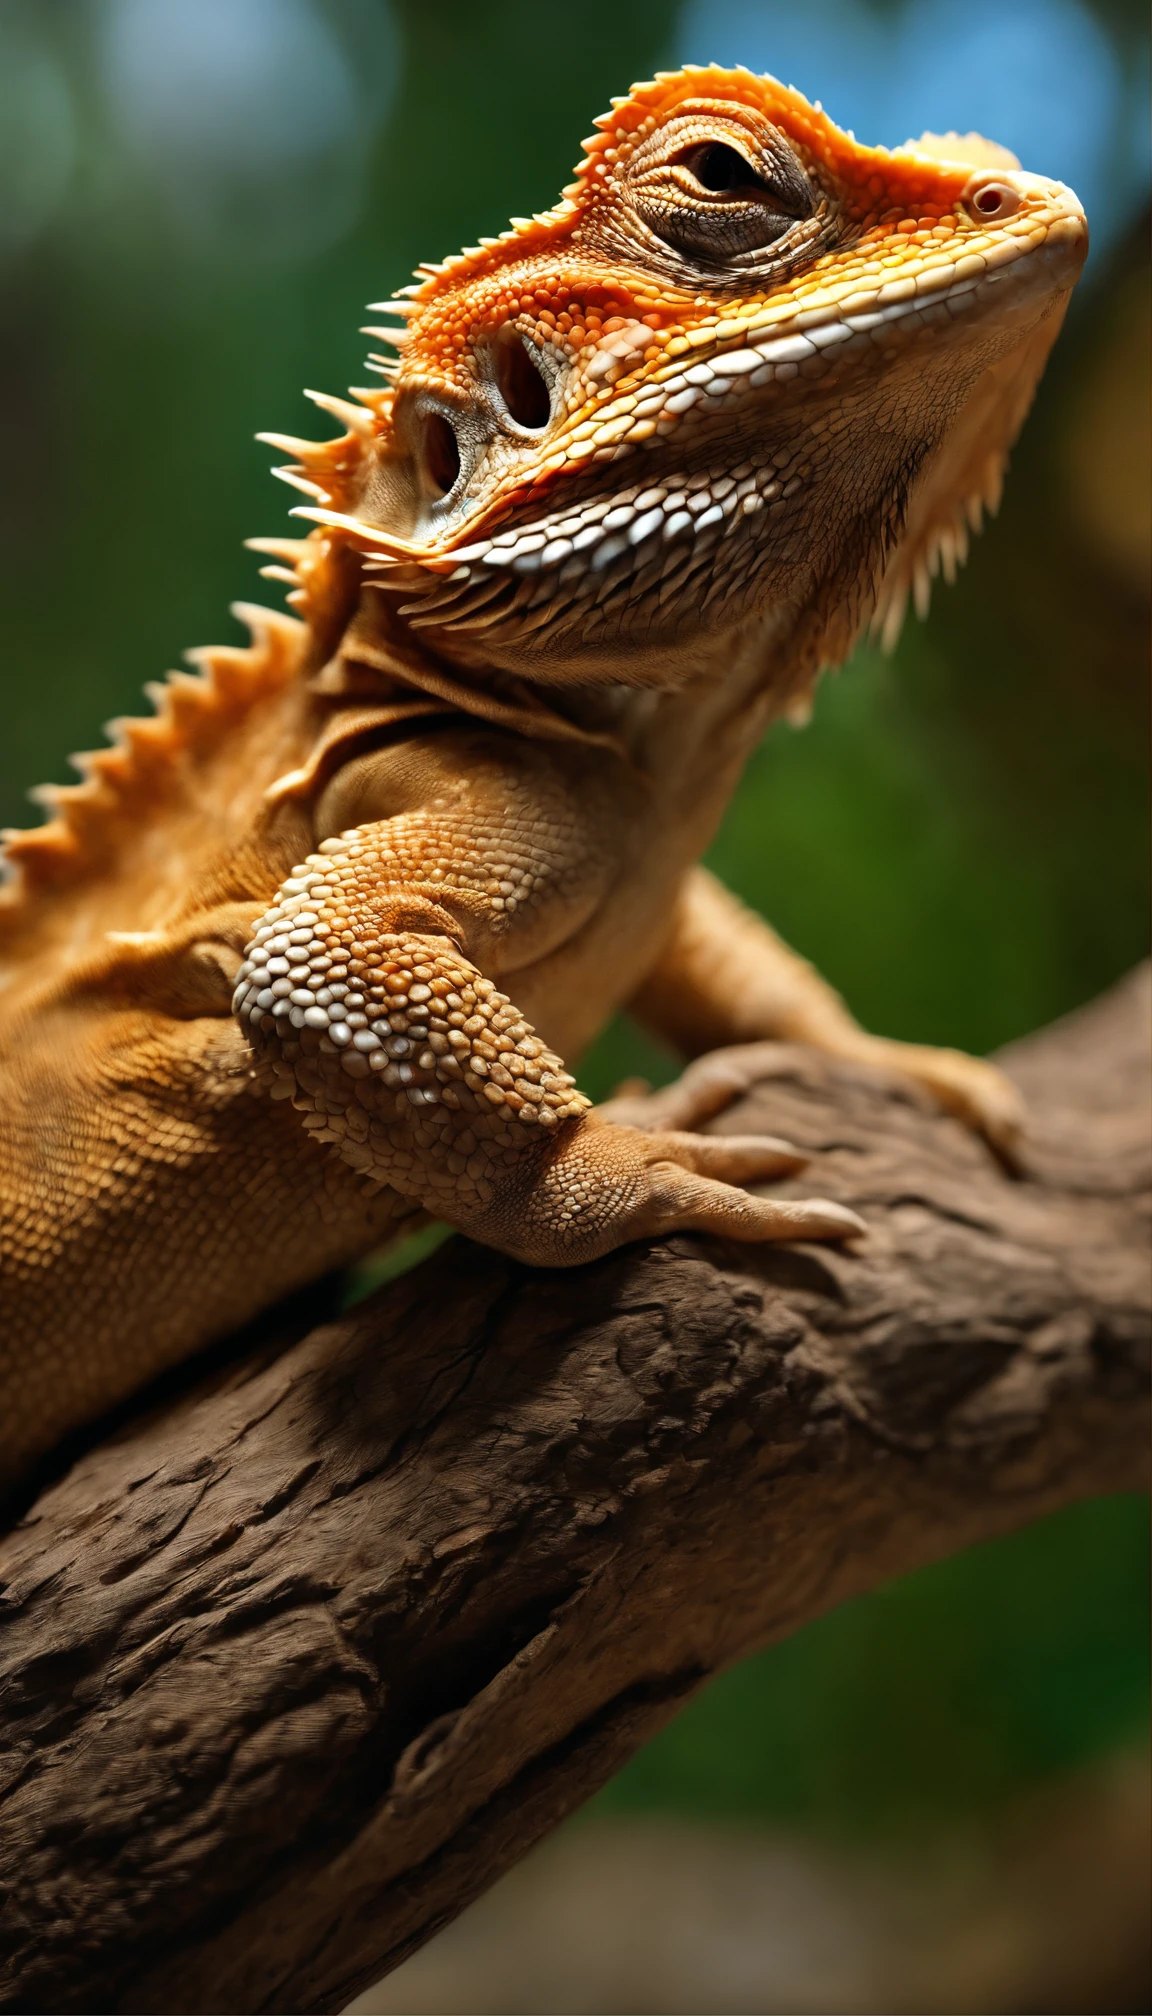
(731, 684)
(688, 736)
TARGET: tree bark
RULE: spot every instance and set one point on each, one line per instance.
(301, 1658)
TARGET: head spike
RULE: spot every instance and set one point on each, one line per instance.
(357, 419)
(299, 482)
(340, 521)
(292, 444)
(398, 338)
(378, 402)
(280, 549)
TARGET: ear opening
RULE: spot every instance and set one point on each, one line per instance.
(520, 381)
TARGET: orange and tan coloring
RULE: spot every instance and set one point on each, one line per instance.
(305, 954)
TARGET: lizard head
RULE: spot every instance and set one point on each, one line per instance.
(748, 374)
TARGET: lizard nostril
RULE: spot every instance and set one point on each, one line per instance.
(441, 452)
(995, 199)
(521, 383)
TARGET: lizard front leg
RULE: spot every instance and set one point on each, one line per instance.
(365, 995)
(724, 977)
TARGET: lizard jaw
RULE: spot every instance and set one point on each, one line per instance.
(691, 541)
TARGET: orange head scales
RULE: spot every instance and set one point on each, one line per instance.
(746, 369)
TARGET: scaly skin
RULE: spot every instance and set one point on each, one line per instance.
(303, 956)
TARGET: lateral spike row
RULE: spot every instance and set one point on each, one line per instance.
(299, 481)
(398, 338)
(279, 549)
(378, 402)
(315, 453)
(357, 419)
(892, 619)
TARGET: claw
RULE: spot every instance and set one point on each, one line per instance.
(835, 1221)
(684, 1201)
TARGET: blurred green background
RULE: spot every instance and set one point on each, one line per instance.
(196, 199)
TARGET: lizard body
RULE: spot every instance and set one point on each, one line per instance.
(302, 956)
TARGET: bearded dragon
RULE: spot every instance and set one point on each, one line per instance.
(303, 955)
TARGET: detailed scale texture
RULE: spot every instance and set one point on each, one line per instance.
(304, 955)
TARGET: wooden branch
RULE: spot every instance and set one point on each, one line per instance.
(297, 1664)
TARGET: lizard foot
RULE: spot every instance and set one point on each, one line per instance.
(971, 1088)
(421, 1096)
(704, 1088)
(604, 1185)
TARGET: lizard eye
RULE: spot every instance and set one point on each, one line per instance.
(720, 169)
(712, 188)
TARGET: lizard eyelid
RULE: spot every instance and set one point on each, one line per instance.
(710, 189)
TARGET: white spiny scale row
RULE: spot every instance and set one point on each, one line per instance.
(887, 282)
(596, 534)
(778, 358)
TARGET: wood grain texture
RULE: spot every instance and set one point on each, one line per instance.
(297, 1662)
